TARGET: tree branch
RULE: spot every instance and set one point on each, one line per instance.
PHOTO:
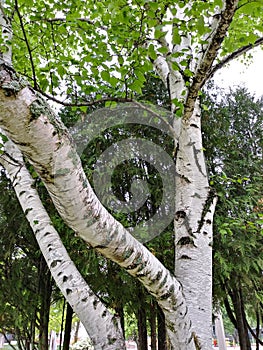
(239, 52)
(83, 104)
(64, 19)
(27, 45)
(215, 42)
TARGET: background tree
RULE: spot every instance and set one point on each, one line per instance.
(234, 157)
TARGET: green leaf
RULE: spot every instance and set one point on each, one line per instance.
(151, 52)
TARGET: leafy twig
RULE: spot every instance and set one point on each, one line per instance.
(84, 104)
(27, 45)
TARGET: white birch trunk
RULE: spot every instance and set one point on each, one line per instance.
(7, 35)
(195, 206)
(195, 203)
(28, 121)
(102, 326)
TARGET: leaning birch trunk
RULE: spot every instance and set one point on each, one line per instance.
(102, 326)
(30, 124)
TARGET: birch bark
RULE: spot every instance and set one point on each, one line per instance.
(102, 326)
(31, 125)
(194, 201)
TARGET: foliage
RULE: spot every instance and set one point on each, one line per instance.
(80, 47)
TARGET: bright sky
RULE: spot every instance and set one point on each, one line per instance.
(239, 74)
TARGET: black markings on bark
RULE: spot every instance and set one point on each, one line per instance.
(95, 303)
(172, 289)
(47, 233)
(180, 214)
(68, 291)
(183, 241)
(183, 314)
(65, 278)
(21, 193)
(23, 144)
(196, 151)
(185, 257)
(185, 179)
(210, 197)
(28, 210)
(143, 274)
(104, 314)
(180, 304)
(194, 126)
(84, 300)
(163, 282)
(111, 340)
(166, 295)
(54, 263)
(159, 275)
(100, 247)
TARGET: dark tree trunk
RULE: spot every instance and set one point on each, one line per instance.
(120, 312)
(142, 329)
(62, 324)
(256, 334)
(45, 291)
(242, 328)
(153, 325)
(162, 344)
(67, 329)
(257, 331)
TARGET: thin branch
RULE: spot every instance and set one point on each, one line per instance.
(239, 52)
(246, 3)
(84, 104)
(27, 45)
(156, 114)
(253, 333)
(64, 19)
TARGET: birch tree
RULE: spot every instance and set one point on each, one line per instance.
(83, 53)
